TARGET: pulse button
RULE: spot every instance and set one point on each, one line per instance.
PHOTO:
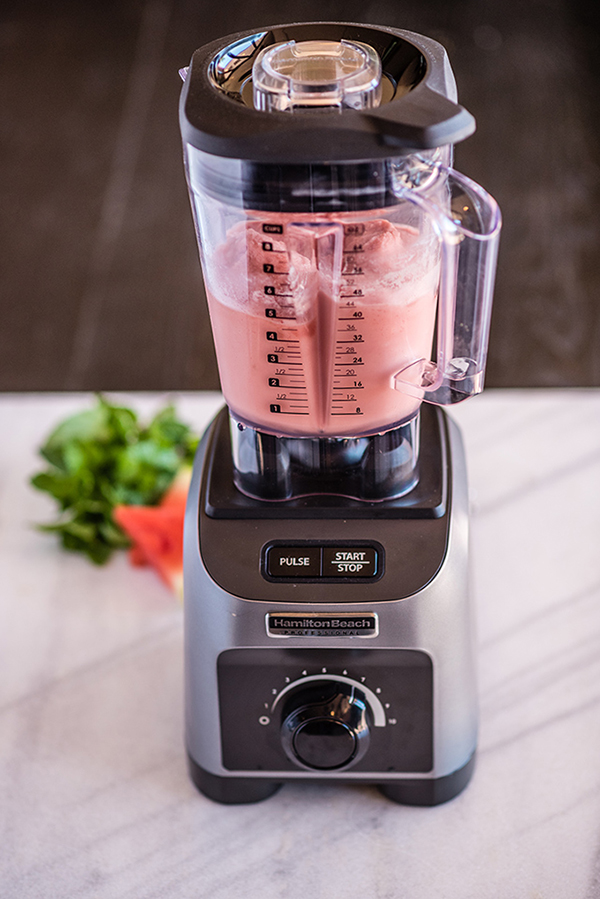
(294, 561)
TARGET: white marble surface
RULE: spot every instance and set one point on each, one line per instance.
(94, 796)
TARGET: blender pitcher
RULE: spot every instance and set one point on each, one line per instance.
(349, 270)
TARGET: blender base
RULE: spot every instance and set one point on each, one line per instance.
(265, 646)
(418, 792)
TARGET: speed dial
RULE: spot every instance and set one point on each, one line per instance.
(325, 724)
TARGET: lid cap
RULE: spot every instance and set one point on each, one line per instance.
(295, 76)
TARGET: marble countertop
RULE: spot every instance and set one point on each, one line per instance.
(95, 797)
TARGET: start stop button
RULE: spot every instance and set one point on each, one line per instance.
(349, 561)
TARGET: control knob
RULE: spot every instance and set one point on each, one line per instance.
(325, 725)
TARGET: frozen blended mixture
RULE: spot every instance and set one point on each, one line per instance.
(312, 321)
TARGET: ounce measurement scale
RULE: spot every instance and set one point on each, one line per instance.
(349, 364)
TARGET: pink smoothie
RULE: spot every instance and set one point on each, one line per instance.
(312, 322)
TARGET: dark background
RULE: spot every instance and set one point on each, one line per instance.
(100, 284)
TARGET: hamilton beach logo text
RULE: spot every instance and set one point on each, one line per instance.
(322, 625)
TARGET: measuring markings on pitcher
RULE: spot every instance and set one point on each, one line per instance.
(287, 385)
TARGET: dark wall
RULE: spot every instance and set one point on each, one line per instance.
(100, 285)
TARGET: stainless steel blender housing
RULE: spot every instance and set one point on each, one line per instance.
(266, 640)
(327, 638)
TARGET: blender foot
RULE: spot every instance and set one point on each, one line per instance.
(230, 790)
(429, 792)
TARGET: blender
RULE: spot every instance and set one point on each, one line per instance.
(349, 273)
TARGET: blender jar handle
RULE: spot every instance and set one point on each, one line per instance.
(468, 228)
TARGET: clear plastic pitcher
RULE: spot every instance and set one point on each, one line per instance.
(325, 325)
(347, 282)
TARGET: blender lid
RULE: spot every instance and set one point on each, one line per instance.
(309, 91)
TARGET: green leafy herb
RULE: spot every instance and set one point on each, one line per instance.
(104, 457)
